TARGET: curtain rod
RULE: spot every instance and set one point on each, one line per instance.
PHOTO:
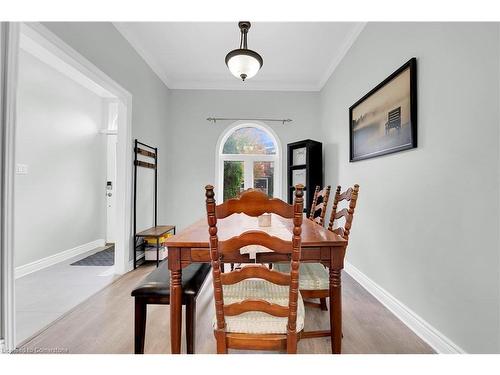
(215, 119)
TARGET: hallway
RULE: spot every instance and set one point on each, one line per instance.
(44, 296)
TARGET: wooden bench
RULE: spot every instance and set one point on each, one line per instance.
(155, 290)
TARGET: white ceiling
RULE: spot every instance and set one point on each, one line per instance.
(190, 55)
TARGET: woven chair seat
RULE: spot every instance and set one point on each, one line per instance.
(256, 322)
(312, 276)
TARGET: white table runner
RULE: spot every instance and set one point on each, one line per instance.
(277, 229)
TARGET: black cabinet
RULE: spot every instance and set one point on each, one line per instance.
(305, 166)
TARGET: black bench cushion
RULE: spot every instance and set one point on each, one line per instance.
(157, 283)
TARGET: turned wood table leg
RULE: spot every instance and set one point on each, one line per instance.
(336, 264)
(175, 300)
(336, 310)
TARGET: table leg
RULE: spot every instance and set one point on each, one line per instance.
(174, 265)
(336, 310)
(157, 252)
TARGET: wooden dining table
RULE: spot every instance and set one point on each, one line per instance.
(318, 245)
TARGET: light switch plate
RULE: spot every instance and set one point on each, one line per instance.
(21, 169)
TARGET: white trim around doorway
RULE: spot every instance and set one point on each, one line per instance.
(48, 40)
(8, 88)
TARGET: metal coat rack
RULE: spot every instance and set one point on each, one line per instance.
(155, 232)
(138, 163)
(152, 153)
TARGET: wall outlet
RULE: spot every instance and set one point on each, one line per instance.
(21, 169)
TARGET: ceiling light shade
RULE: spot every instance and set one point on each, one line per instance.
(243, 62)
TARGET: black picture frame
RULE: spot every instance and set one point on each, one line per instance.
(412, 66)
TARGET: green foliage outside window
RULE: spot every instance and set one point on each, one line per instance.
(246, 141)
(233, 179)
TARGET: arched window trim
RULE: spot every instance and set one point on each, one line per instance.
(220, 157)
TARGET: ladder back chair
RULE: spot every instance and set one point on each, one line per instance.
(351, 196)
(308, 270)
(314, 277)
(319, 205)
(256, 308)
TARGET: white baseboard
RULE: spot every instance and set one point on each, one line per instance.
(56, 258)
(439, 342)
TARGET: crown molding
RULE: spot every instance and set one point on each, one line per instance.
(242, 86)
(155, 66)
(346, 46)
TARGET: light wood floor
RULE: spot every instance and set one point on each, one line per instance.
(45, 295)
(104, 324)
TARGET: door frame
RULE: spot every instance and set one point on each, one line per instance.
(111, 219)
(8, 86)
(123, 245)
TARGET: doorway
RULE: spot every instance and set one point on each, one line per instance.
(45, 47)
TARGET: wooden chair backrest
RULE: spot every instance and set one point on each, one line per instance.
(254, 203)
(351, 196)
(319, 205)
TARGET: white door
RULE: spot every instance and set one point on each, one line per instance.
(110, 189)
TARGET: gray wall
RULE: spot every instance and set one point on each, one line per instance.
(193, 139)
(440, 201)
(426, 229)
(105, 47)
(60, 203)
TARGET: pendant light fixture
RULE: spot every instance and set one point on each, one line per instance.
(243, 62)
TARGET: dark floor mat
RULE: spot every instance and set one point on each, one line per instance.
(104, 257)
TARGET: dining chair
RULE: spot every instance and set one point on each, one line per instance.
(308, 270)
(350, 196)
(319, 204)
(256, 308)
(314, 277)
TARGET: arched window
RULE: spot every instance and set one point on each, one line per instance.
(248, 156)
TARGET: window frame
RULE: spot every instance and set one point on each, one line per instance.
(247, 159)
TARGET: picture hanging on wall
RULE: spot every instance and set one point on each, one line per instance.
(384, 121)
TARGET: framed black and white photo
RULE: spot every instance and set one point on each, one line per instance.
(299, 177)
(299, 156)
(384, 121)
